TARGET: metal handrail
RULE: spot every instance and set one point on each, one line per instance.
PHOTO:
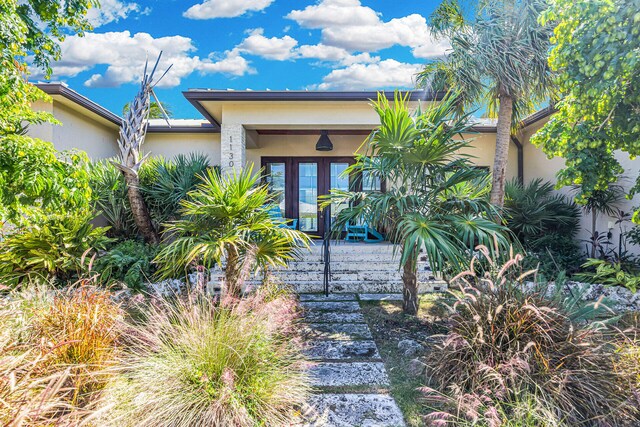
(326, 249)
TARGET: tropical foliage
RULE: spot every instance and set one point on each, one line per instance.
(595, 56)
(518, 356)
(611, 273)
(164, 184)
(128, 262)
(226, 219)
(199, 362)
(498, 58)
(546, 224)
(51, 249)
(438, 203)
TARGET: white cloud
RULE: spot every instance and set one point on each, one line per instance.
(384, 74)
(349, 25)
(334, 54)
(210, 9)
(125, 54)
(113, 11)
(278, 48)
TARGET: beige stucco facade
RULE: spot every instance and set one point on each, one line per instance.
(236, 130)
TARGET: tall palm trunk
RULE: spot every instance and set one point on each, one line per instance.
(503, 137)
(130, 139)
(139, 209)
(410, 300)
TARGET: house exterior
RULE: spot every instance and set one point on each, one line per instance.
(279, 130)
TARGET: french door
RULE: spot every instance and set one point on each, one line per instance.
(299, 181)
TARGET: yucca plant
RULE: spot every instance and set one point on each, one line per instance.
(194, 361)
(437, 202)
(511, 345)
(226, 222)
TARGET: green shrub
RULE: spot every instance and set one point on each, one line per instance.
(164, 183)
(519, 357)
(610, 273)
(49, 250)
(128, 262)
(198, 362)
(546, 223)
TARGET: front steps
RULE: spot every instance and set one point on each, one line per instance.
(355, 268)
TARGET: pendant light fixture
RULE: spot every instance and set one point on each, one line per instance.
(324, 143)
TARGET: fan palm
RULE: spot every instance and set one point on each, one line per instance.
(436, 201)
(498, 59)
(226, 218)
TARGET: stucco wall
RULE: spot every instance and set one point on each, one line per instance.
(170, 144)
(76, 131)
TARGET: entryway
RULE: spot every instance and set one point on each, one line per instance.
(300, 180)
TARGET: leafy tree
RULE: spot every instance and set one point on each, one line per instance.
(596, 54)
(32, 174)
(157, 110)
(438, 202)
(498, 58)
(227, 218)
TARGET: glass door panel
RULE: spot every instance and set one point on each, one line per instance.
(339, 181)
(308, 196)
(276, 178)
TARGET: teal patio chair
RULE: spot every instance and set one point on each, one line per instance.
(362, 232)
(276, 214)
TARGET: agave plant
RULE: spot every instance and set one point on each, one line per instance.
(226, 222)
(438, 202)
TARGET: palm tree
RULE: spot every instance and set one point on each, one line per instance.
(499, 58)
(130, 140)
(436, 201)
(226, 218)
(157, 110)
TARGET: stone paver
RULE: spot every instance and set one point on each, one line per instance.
(380, 297)
(347, 410)
(329, 317)
(331, 297)
(342, 353)
(338, 331)
(341, 350)
(333, 306)
(337, 374)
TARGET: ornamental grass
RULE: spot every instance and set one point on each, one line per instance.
(518, 355)
(196, 361)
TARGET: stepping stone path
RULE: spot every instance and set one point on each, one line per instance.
(345, 367)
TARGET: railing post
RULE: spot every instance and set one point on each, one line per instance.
(326, 249)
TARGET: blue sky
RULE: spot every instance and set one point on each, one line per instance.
(248, 44)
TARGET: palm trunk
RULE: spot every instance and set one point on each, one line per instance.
(410, 300)
(232, 273)
(503, 137)
(139, 210)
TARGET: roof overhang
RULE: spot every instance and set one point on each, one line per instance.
(209, 102)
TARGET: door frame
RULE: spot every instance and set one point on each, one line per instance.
(292, 182)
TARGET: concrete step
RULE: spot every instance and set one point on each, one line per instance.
(364, 287)
(350, 409)
(348, 266)
(345, 248)
(343, 350)
(337, 331)
(364, 276)
(338, 374)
